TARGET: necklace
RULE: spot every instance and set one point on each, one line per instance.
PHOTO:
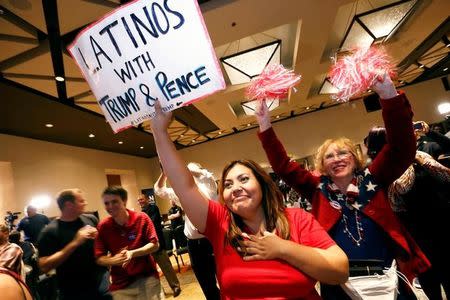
(358, 228)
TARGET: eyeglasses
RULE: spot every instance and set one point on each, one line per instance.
(341, 154)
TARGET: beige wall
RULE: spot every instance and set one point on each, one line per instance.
(7, 190)
(45, 168)
(30, 167)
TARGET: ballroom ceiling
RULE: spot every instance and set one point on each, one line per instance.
(34, 35)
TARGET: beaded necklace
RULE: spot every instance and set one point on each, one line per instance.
(359, 228)
(349, 206)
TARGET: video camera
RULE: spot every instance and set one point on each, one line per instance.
(10, 218)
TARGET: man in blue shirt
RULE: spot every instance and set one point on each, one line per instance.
(32, 224)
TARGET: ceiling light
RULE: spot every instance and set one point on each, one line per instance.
(377, 25)
(308, 108)
(181, 135)
(193, 140)
(248, 125)
(49, 125)
(242, 66)
(220, 132)
(445, 69)
(141, 147)
(277, 117)
(444, 108)
(249, 107)
(120, 142)
(59, 78)
(92, 135)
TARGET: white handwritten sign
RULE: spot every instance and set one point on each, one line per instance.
(144, 51)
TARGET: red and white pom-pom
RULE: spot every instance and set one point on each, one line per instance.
(273, 83)
(356, 73)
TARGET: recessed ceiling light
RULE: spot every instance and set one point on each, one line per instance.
(308, 108)
(277, 117)
(220, 132)
(59, 78)
(193, 140)
(445, 69)
(248, 125)
(181, 135)
(120, 142)
(141, 147)
(92, 135)
(49, 125)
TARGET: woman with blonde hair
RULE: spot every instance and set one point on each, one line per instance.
(350, 201)
(262, 250)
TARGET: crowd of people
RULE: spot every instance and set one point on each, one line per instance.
(369, 227)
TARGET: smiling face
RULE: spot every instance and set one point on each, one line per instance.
(241, 191)
(114, 205)
(338, 162)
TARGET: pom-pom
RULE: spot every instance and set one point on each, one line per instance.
(273, 83)
(357, 72)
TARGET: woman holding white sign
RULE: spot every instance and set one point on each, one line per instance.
(262, 250)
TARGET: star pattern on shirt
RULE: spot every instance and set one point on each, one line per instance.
(356, 205)
(371, 186)
(366, 172)
(320, 186)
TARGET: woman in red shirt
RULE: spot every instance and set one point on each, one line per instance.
(262, 250)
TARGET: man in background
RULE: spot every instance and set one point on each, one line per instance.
(175, 215)
(67, 245)
(148, 205)
(32, 224)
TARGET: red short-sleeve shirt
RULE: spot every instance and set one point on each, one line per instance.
(265, 279)
(112, 238)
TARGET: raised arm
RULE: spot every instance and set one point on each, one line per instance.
(162, 181)
(400, 149)
(290, 171)
(191, 199)
(164, 192)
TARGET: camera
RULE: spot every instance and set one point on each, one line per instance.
(10, 218)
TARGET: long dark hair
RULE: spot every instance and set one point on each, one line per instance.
(375, 141)
(272, 203)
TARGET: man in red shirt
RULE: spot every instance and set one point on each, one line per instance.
(124, 242)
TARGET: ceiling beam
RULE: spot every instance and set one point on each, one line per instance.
(21, 23)
(54, 37)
